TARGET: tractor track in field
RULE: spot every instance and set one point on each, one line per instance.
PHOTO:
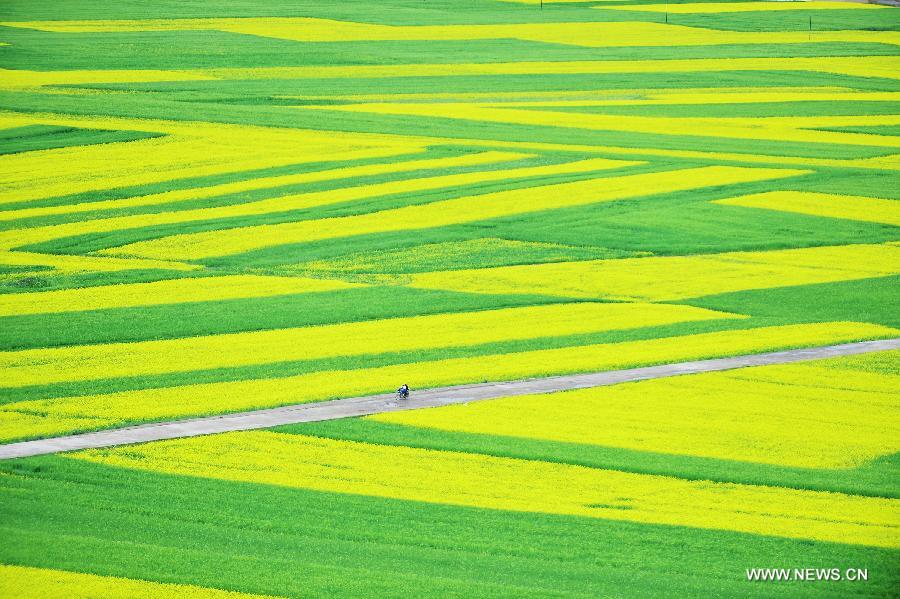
(429, 398)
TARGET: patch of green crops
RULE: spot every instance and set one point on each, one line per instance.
(893, 130)
(865, 300)
(44, 137)
(475, 253)
(666, 226)
(806, 21)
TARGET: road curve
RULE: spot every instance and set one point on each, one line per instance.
(374, 404)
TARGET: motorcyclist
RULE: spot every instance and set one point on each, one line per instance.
(403, 391)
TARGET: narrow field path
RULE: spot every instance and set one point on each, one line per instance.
(374, 404)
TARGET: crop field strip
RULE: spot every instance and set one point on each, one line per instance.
(46, 582)
(366, 405)
(209, 209)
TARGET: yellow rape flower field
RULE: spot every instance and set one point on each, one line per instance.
(39, 583)
(264, 217)
(172, 291)
(873, 210)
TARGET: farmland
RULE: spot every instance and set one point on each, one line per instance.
(477, 499)
(208, 208)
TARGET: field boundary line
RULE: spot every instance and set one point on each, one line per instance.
(428, 398)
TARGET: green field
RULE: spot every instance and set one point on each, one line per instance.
(211, 207)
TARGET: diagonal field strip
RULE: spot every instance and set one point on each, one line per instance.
(374, 404)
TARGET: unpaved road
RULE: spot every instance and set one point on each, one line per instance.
(374, 404)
